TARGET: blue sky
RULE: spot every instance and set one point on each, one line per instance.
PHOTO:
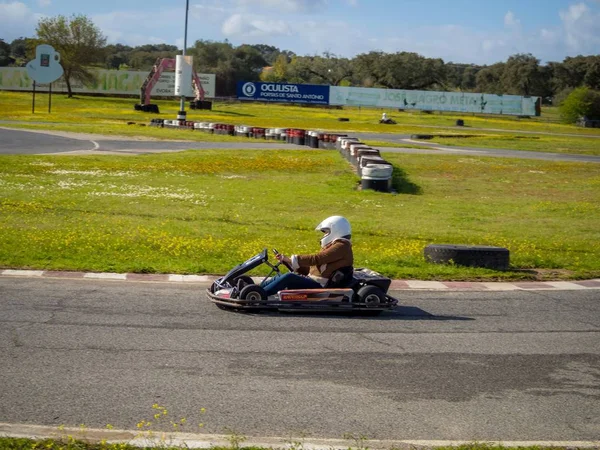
(466, 31)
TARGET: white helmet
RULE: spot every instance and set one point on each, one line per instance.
(334, 227)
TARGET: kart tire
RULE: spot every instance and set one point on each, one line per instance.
(253, 293)
(468, 255)
(245, 278)
(371, 296)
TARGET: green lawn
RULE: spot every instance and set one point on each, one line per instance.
(92, 112)
(535, 143)
(204, 211)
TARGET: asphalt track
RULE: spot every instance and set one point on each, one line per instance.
(485, 366)
(39, 142)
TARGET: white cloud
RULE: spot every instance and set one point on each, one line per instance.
(511, 21)
(117, 26)
(285, 5)
(205, 12)
(17, 20)
(581, 28)
(239, 25)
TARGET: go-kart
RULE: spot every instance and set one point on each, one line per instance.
(388, 121)
(360, 290)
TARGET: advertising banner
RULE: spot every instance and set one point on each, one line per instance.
(282, 92)
(107, 82)
(434, 101)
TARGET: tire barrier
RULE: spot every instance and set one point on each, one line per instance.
(375, 172)
(497, 258)
(151, 108)
(200, 104)
(312, 139)
(354, 148)
(157, 123)
(296, 136)
(377, 177)
(258, 133)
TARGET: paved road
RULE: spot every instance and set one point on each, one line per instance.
(30, 142)
(463, 365)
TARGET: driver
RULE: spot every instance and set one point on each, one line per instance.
(314, 271)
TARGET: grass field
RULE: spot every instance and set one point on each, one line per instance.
(117, 111)
(203, 212)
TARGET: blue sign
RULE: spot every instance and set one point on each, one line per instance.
(283, 92)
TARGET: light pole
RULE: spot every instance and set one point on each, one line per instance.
(181, 115)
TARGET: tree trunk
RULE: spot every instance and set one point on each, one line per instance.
(68, 82)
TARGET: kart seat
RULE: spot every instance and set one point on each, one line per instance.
(341, 278)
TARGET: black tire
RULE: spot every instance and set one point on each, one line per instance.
(422, 136)
(253, 293)
(497, 258)
(245, 278)
(371, 296)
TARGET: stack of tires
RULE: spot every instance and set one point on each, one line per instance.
(242, 130)
(258, 133)
(296, 136)
(312, 139)
(377, 177)
(157, 123)
(375, 172)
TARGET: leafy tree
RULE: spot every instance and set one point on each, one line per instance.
(117, 55)
(582, 102)
(592, 75)
(327, 69)
(278, 72)
(488, 79)
(18, 48)
(79, 42)
(522, 75)
(400, 70)
(271, 53)
(5, 58)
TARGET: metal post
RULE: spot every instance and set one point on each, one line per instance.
(182, 113)
(50, 99)
(33, 102)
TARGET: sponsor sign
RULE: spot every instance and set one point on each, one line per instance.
(435, 101)
(45, 68)
(282, 92)
(293, 297)
(107, 82)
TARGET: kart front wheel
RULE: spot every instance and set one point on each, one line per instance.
(371, 296)
(253, 293)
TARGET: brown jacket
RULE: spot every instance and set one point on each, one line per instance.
(321, 265)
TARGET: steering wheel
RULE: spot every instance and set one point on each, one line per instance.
(287, 266)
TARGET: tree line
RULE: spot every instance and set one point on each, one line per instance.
(82, 45)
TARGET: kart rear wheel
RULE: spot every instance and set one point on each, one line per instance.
(371, 296)
(253, 293)
(245, 278)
